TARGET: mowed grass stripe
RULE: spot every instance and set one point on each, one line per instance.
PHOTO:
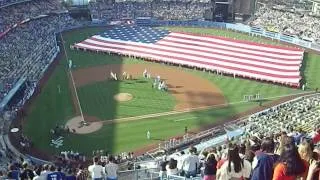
(312, 71)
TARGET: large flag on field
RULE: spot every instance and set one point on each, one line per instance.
(235, 57)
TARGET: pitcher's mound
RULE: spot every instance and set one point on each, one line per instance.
(78, 126)
(121, 97)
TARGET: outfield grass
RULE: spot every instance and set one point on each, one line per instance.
(51, 107)
(312, 70)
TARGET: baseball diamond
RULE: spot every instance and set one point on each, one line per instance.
(110, 99)
(159, 89)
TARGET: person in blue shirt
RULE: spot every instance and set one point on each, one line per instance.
(59, 169)
(298, 136)
(54, 175)
(70, 174)
(264, 161)
(13, 172)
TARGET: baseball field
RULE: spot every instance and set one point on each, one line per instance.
(121, 112)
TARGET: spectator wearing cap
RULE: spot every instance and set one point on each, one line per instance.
(264, 161)
(234, 167)
(290, 165)
(96, 170)
(26, 172)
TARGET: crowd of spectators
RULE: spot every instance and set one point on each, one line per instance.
(168, 10)
(275, 157)
(29, 47)
(67, 165)
(288, 21)
(279, 143)
(25, 170)
(303, 113)
(278, 137)
(15, 14)
(9, 2)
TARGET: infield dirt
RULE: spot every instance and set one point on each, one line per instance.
(190, 91)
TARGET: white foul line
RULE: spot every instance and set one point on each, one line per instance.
(73, 83)
(184, 119)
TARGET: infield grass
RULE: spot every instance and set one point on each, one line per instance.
(97, 97)
(51, 108)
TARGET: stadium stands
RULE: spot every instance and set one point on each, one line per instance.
(27, 47)
(36, 45)
(295, 22)
(28, 43)
(31, 45)
(288, 22)
(170, 10)
(4, 3)
(27, 10)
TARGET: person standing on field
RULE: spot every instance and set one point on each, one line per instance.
(148, 135)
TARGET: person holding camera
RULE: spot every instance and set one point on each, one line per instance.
(313, 173)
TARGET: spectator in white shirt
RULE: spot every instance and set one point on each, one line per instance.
(180, 159)
(190, 163)
(45, 172)
(234, 167)
(111, 169)
(96, 170)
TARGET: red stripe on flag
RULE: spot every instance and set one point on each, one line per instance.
(291, 48)
(247, 61)
(132, 52)
(197, 55)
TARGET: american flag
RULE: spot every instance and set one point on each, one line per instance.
(272, 63)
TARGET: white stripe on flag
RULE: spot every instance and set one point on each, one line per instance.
(264, 62)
